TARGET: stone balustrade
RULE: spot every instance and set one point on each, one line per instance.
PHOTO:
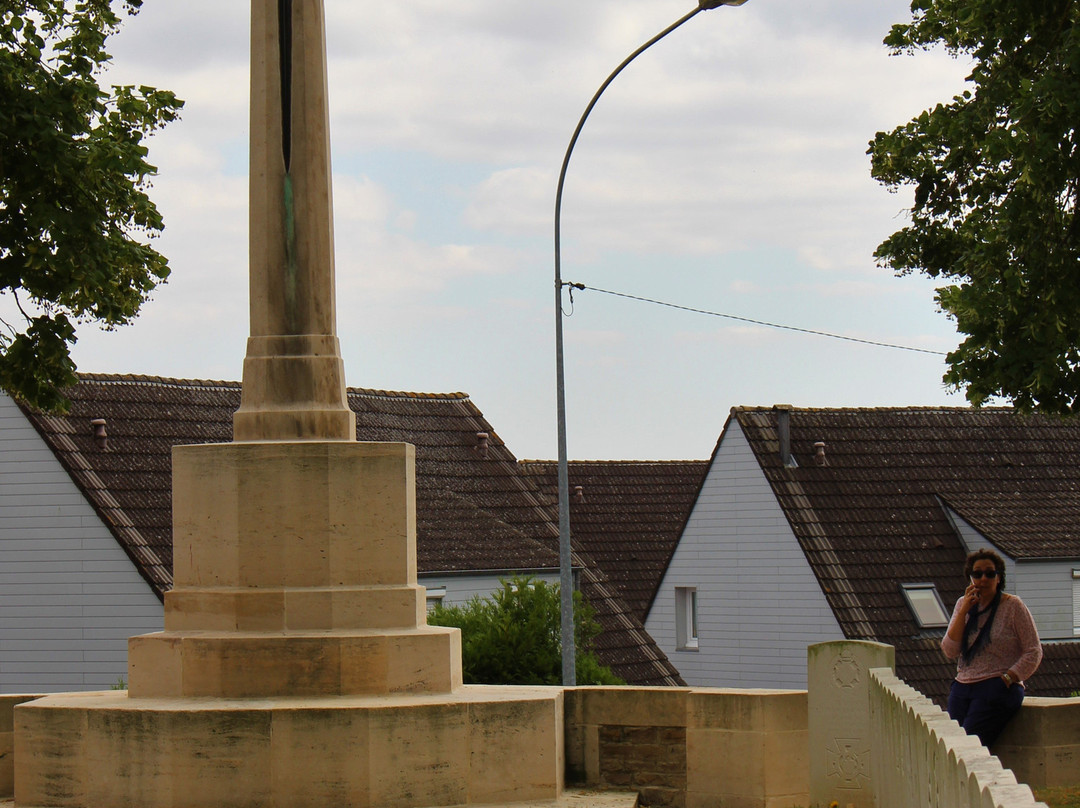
(922, 757)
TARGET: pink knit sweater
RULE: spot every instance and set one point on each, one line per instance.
(1014, 644)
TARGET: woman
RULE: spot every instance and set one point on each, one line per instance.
(993, 639)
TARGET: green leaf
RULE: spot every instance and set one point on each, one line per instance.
(996, 173)
(76, 221)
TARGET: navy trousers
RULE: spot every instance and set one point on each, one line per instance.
(984, 708)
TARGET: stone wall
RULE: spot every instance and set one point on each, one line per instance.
(7, 742)
(650, 760)
(1042, 744)
(922, 757)
(690, 748)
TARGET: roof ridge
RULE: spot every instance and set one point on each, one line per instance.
(364, 392)
(135, 378)
(901, 408)
(617, 462)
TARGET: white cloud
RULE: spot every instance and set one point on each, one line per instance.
(373, 256)
(736, 148)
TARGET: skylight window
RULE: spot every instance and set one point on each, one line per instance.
(925, 604)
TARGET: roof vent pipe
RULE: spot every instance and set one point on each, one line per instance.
(783, 430)
(101, 437)
(819, 453)
(579, 493)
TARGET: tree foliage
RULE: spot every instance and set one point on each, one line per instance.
(513, 637)
(995, 174)
(75, 219)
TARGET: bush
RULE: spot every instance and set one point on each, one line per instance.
(513, 636)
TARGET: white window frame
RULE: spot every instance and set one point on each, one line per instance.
(942, 621)
(435, 596)
(1076, 601)
(686, 618)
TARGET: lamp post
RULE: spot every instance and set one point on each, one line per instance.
(566, 582)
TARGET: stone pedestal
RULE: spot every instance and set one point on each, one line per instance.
(296, 667)
(480, 745)
(295, 575)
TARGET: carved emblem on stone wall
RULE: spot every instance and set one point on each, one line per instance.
(846, 671)
(849, 762)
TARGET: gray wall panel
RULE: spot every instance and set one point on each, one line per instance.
(759, 604)
(69, 595)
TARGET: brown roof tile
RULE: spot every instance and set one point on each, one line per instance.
(873, 518)
(473, 513)
(629, 518)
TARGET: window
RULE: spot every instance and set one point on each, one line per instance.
(686, 623)
(435, 595)
(925, 604)
(1076, 602)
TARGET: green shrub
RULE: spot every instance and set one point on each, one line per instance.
(513, 636)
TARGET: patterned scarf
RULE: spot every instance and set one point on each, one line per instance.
(969, 649)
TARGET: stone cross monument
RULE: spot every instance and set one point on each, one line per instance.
(294, 379)
(294, 546)
(296, 667)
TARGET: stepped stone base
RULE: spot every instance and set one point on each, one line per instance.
(233, 665)
(569, 799)
(575, 798)
(477, 746)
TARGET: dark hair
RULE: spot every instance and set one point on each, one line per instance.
(988, 555)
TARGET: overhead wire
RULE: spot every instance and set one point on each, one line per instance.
(765, 323)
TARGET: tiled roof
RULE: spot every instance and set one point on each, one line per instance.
(873, 517)
(473, 512)
(629, 516)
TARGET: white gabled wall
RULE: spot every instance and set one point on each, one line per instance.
(1047, 589)
(69, 595)
(759, 604)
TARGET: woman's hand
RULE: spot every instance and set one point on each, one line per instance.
(971, 598)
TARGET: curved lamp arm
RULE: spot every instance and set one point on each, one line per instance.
(566, 583)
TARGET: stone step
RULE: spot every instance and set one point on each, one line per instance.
(571, 798)
(575, 798)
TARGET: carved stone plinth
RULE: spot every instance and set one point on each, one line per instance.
(295, 575)
(481, 745)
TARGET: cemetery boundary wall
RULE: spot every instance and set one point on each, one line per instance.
(706, 747)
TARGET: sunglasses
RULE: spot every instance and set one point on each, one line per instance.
(977, 574)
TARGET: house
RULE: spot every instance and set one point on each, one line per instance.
(627, 515)
(86, 531)
(813, 525)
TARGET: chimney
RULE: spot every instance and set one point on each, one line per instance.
(783, 430)
(101, 437)
(819, 453)
(481, 447)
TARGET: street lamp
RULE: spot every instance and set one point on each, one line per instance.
(566, 582)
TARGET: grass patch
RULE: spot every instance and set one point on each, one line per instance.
(1059, 797)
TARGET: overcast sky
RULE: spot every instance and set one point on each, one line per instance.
(724, 170)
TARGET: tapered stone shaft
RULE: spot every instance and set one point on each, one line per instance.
(294, 378)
